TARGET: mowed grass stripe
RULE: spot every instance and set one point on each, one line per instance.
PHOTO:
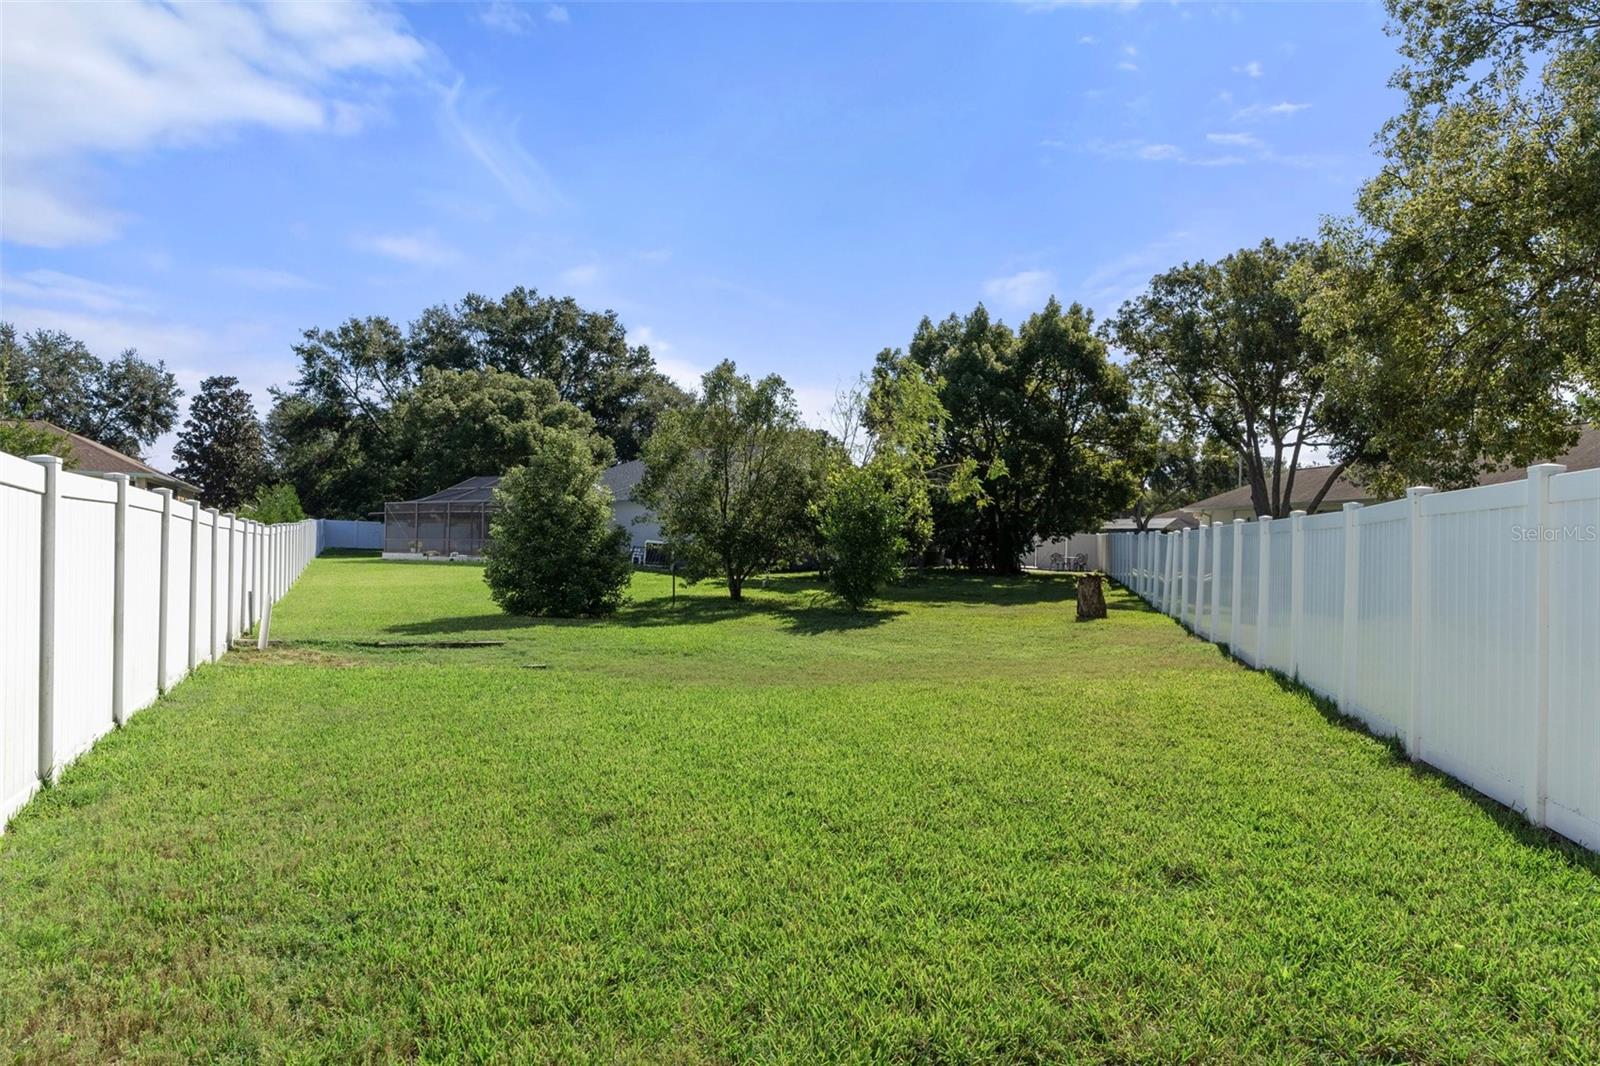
(964, 828)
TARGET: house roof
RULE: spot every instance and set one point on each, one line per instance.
(1584, 455)
(91, 457)
(473, 490)
(621, 479)
(1308, 481)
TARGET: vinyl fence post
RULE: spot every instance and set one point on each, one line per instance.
(1175, 543)
(119, 598)
(1539, 518)
(1297, 587)
(211, 588)
(1352, 604)
(194, 582)
(1420, 593)
(1183, 567)
(230, 618)
(1217, 529)
(164, 594)
(1198, 608)
(1263, 589)
(1237, 591)
(49, 536)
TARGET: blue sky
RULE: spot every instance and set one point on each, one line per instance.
(792, 187)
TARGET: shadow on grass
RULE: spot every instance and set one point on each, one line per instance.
(802, 604)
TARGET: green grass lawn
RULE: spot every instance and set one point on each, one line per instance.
(962, 828)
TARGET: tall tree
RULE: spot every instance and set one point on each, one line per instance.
(1043, 422)
(125, 404)
(1464, 301)
(732, 477)
(220, 448)
(1221, 352)
(458, 424)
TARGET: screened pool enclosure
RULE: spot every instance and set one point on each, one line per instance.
(453, 521)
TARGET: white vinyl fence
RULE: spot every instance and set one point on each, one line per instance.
(109, 595)
(1466, 623)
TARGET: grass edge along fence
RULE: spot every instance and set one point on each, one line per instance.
(110, 595)
(1465, 623)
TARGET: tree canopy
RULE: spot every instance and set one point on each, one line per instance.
(1463, 299)
(124, 404)
(1040, 421)
(220, 449)
(332, 431)
(731, 477)
(1221, 353)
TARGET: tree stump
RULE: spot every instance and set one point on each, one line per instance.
(1091, 598)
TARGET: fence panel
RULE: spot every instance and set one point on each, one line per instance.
(21, 491)
(142, 619)
(1476, 724)
(1380, 686)
(1222, 583)
(86, 527)
(1319, 646)
(1249, 589)
(1573, 807)
(1280, 595)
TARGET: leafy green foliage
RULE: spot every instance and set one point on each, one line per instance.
(273, 504)
(1463, 303)
(1039, 433)
(1221, 353)
(124, 404)
(19, 438)
(554, 548)
(732, 476)
(863, 516)
(1181, 472)
(220, 449)
(457, 424)
(332, 432)
(956, 828)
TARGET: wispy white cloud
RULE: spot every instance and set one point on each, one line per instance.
(54, 289)
(1158, 152)
(493, 143)
(1235, 140)
(1025, 289)
(517, 16)
(1128, 66)
(581, 276)
(418, 249)
(1256, 112)
(263, 279)
(81, 82)
(1251, 69)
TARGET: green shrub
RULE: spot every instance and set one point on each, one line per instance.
(274, 503)
(553, 548)
(863, 522)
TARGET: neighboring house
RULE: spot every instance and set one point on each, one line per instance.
(1235, 503)
(87, 456)
(455, 521)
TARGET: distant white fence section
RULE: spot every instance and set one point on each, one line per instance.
(346, 533)
(109, 595)
(1466, 623)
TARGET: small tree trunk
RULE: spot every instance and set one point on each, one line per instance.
(735, 588)
(1091, 598)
